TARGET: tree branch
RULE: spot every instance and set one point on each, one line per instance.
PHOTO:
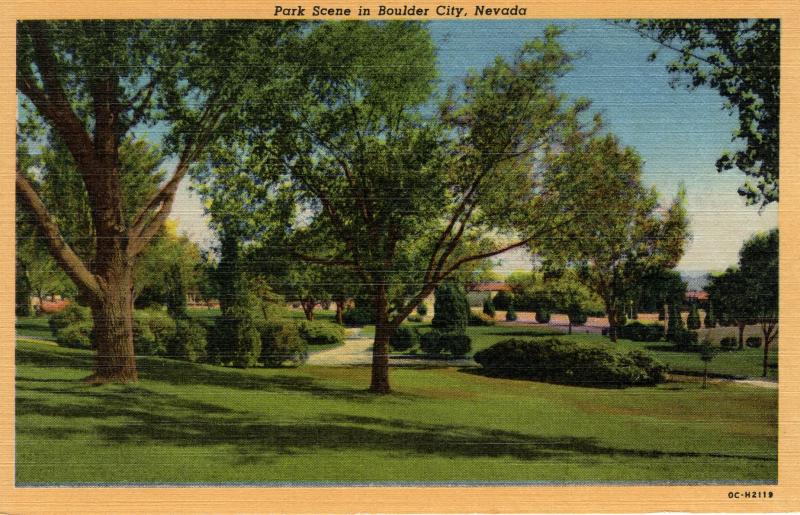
(72, 264)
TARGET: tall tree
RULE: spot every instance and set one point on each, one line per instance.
(740, 59)
(409, 196)
(758, 260)
(728, 292)
(630, 232)
(94, 84)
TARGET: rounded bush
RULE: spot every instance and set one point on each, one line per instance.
(451, 308)
(640, 332)
(502, 300)
(281, 343)
(729, 342)
(511, 313)
(189, 341)
(577, 316)
(358, 316)
(455, 344)
(568, 362)
(753, 342)
(480, 319)
(70, 315)
(77, 335)
(153, 332)
(404, 338)
(543, 316)
(321, 333)
(430, 343)
(488, 307)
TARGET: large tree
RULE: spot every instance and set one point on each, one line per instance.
(740, 59)
(630, 233)
(404, 195)
(94, 84)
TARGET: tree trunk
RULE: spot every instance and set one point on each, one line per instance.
(569, 331)
(612, 324)
(308, 309)
(380, 347)
(112, 314)
(340, 312)
(741, 335)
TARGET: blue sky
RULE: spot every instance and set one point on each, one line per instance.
(680, 134)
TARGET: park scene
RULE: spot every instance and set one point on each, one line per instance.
(397, 252)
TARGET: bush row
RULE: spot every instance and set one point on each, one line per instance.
(433, 342)
(568, 362)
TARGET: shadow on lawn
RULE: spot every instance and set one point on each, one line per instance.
(533, 333)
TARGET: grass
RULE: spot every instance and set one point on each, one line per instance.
(744, 363)
(34, 326)
(186, 423)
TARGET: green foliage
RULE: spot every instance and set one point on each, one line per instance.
(639, 332)
(488, 307)
(415, 318)
(430, 343)
(511, 313)
(674, 323)
(479, 319)
(754, 342)
(502, 300)
(72, 314)
(728, 343)
(565, 361)
(281, 343)
(77, 335)
(710, 320)
(153, 332)
(576, 314)
(662, 312)
(685, 339)
(740, 59)
(189, 342)
(451, 309)
(455, 344)
(321, 332)
(693, 320)
(422, 309)
(358, 316)
(404, 338)
(235, 338)
(22, 291)
(543, 316)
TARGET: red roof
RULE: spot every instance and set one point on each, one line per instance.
(697, 295)
(491, 286)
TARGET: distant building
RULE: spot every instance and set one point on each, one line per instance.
(697, 295)
(477, 293)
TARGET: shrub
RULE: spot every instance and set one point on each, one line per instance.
(455, 344)
(686, 339)
(281, 342)
(693, 320)
(422, 309)
(404, 338)
(430, 343)
(415, 318)
(189, 341)
(502, 300)
(576, 315)
(451, 309)
(153, 332)
(710, 320)
(729, 342)
(568, 362)
(77, 335)
(235, 338)
(639, 332)
(480, 319)
(488, 307)
(753, 342)
(543, 316)
(511, 313)
(321, 333)
(72, 314)
(358, 316)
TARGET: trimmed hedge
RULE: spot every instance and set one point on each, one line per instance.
(729, 343)
(753, 342)
(639, 332)
(480, 319)
(438, 343)
(404, 338)
(568, 362)
(321, 333)
(281, 343)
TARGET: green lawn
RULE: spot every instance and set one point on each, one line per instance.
(747, 362)
(34, 326)
(186, 423)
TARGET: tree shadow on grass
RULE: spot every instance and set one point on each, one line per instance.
(533, 333)
(177, 372)
(150, 418)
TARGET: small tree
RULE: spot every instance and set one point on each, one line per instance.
(693, 320)
(511, 313)
(488, 307)
(451, 309)
(22, 292)
(502, 300)
(710, 321)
